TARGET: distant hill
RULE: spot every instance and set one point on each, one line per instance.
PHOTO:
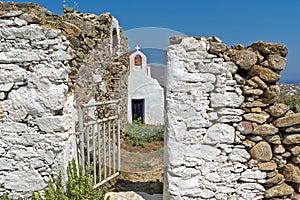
(290, 88)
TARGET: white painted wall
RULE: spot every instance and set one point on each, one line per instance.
(141, 86)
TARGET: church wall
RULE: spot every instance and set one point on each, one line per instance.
(141, 86)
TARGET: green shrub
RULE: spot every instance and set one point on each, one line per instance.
(291, 100)
(79, 186)
(139, 133)
(5, 197)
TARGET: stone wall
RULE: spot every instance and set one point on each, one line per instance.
(226, 135)
(49, 65)
(36, 128)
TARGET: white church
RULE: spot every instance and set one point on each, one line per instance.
(145, 94)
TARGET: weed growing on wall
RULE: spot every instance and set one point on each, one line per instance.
(79, 186)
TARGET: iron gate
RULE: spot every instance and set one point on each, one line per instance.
(99, 127)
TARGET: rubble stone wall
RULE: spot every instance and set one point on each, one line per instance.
(226, 135)
(49, 65)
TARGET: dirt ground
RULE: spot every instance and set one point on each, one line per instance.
(141, 168)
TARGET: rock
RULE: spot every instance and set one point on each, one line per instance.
(219, 133)
(279, 149)
(253, 104)
(267, 166)
(256, 110)
(293, 129)
(295, 196)
(265, 74)
(227, 99)
(53, 123)
(243, 58)
(2, 97)
(278, 110)
(279, 178)
(271, 94)
(229, 118)
(123, 196)
(16, 56)
(7, 164)
(279, 191)
(6, 87)
(13, 127)
(239, 155)
(230, 111)
(255, 138)
(14, 13)
(27, 181)
(217, 47)
(250, 174)
(240, 79)
(270, 48)
(248, 91)
(74, 41)
(89, 42)
(295, 150)
(30, 18)
(286, 121)
(256, 117)
(251, 186)
(61, 55)
(296, 159)
(265, 129)
(260, 83)
(251, 84)
(213, 177)
(291, 173)
(20, 22)
(245, 127)
(262, 151)
(274, 62)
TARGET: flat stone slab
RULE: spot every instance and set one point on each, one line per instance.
(132, 196)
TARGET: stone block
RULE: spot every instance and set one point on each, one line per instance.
(265, 129)
(279, 191)
(291, 173)
(286, 121)
(220, 133)
(256, 117)
(262, 151)
(53, 123)
(24, 181)
(227, 99)
(239, 155)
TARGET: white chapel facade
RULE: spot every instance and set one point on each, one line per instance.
(145, 95)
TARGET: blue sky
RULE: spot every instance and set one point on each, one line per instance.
(234, 21)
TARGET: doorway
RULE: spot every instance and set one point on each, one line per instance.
(137, 109)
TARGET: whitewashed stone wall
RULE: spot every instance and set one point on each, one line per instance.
(204, 156)
(36, 122)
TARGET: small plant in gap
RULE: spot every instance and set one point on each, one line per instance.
(139, 133)
(5, 197)
(291, 100)
(79, 186)
(144, 166)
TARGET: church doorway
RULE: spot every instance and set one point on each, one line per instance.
(138, 108)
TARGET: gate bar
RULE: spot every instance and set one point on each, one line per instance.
(81, 138)
(85, 105)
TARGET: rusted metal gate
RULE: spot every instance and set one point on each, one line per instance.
(99, 127)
